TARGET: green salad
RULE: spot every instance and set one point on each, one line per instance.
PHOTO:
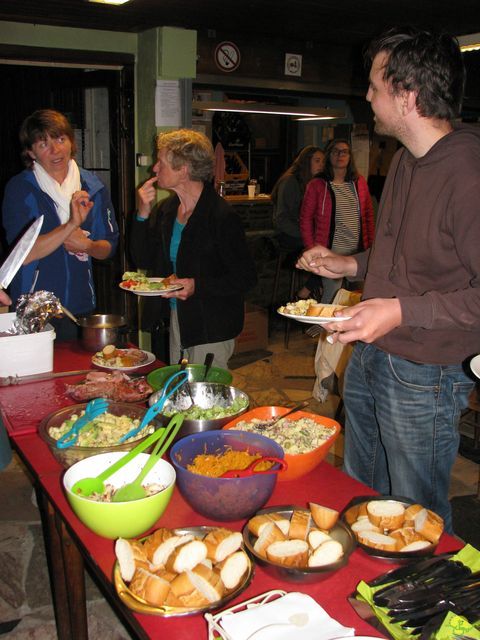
(197, 413)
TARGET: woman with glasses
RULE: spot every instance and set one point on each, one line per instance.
(337, 210)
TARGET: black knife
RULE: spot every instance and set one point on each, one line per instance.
(409, 570)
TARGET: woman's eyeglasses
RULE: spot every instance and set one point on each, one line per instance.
(340, 152)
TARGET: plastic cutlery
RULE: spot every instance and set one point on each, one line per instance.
(156, 408)
(87, 486)
(134, 490)
(207, 364)
(250, 470)
(93, 409)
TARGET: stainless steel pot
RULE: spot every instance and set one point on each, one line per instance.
(98, 330)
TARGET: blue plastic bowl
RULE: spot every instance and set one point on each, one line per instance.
(224, 499)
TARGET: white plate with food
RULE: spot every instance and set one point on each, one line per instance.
(140, 285)
(123, 359)
(475, 365)
(312, 312)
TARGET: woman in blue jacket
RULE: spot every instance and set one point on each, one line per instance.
(79, 220)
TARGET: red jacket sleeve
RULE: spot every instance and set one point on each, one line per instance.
(308, 214)
(367, 213)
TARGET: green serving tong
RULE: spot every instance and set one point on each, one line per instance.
(86, 486)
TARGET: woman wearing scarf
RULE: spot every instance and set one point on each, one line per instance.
(79, 221)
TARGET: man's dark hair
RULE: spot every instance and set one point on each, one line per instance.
(427, 63)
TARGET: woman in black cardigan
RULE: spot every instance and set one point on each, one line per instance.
(196, 235)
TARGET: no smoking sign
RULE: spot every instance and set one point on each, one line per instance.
(227, 56)
(293, 64)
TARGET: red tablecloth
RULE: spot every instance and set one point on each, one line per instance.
(26, 405)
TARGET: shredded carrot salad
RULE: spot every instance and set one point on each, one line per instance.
(216, 464)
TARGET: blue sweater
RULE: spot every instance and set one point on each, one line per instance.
(69, 278)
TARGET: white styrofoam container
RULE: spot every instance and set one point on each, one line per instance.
(26, 354)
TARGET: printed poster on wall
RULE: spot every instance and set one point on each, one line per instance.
(168, 109)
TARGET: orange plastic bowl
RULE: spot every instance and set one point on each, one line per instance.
(300, 464)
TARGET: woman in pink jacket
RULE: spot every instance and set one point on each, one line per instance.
(337, 210)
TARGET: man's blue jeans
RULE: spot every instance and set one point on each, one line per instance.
(401, 431)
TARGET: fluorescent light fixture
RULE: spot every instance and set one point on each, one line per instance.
(109, 1)
(470, 42)
(318, 113)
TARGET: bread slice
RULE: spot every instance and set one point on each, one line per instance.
(154, 540)
(317, 537)
(186, 556)
(269, 533)
(327, 553)
(290, 553)
(130, 555)
(377, 540)
(184, 593)
(256, 524)
(386, 514)
(233, 568)
(416, 546)
(324, 517)
(299, 524)
(207, 581)
(364, 524)
(150, 587)
(406, 535)
(221, 543)
(429, 525)
(165, 549)
(410, 513)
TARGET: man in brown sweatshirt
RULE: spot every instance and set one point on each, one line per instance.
(419, 317)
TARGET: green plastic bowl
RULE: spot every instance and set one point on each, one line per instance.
(158, 377)
(120, 519)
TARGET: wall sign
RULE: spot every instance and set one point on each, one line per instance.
(293, 64)
(227, 56)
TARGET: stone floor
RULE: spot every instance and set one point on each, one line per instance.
(286, 377)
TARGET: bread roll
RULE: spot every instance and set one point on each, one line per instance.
(233, 568)
(290, 553)
(377, 540)
(269, 533)
(186, 556)
(429, 525)
(130, 556)
(299, 525)
(150, 587)
(207, 581)
(386, 514)
(315, 310)
(317, 537)
(327, 553)
(324, 517)
(221, 543)
(364, 524)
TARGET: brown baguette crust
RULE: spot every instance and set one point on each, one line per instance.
(221, 543)
(289, 553)
(150, 587)
(429, 525)
(324, 517)
(299, 525)
(269, 533)
(377, 540)
(256, 524)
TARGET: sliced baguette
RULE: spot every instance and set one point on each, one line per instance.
(410, 513)
(327, 553)
(270, 533)
(166, 548)
(416, 546)
(184, 593)
(317, 537)
(233, 568)
(256, 524)
(377, 540)
(222, 543)
(364, 524)
(429, 525)
(154, 540)
(386, 514)
(299, 525)
(290, 553)
(150, 587)
(406, 535)
(186, 556)
(207, 581)
(324, 517)
(130, 556)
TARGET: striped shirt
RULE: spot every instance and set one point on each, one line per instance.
(347, 219)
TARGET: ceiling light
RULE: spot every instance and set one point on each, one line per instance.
(109, 1)
(470, 42)
(318, 113)
(470, 47)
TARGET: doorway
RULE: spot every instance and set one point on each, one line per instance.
(98, 100)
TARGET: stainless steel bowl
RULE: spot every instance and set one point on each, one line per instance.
(100, 329)
(205, 395)
(307, 575)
